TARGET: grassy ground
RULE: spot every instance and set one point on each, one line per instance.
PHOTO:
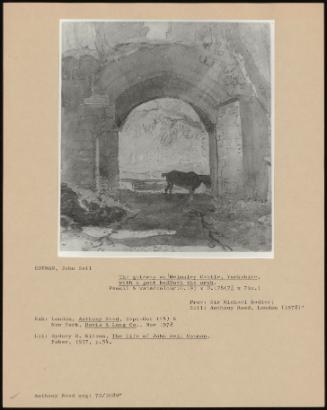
(179, 224)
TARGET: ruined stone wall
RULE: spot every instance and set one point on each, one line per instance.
(256, 142)
(88, 126)
(243, 150)
(230, 150)
(231, 61)
(79, 123)
(77, 149)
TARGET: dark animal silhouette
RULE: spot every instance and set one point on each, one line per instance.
(188, 180)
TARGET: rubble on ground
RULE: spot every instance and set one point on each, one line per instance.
(86, 208)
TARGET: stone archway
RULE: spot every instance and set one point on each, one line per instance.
(139, 72)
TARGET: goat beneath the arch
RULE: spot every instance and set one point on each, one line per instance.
(187, 180)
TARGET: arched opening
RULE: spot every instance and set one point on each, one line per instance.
(157, 137)
(119, 137)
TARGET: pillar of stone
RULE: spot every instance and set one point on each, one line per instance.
(77, 149)
(230, 152)
(255, 137)
(213, 161)
(268, 170)
(99, 117)
(109, 167)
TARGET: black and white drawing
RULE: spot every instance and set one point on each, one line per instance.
(166, 138)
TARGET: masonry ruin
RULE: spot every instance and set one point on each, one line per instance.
(214, 68)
